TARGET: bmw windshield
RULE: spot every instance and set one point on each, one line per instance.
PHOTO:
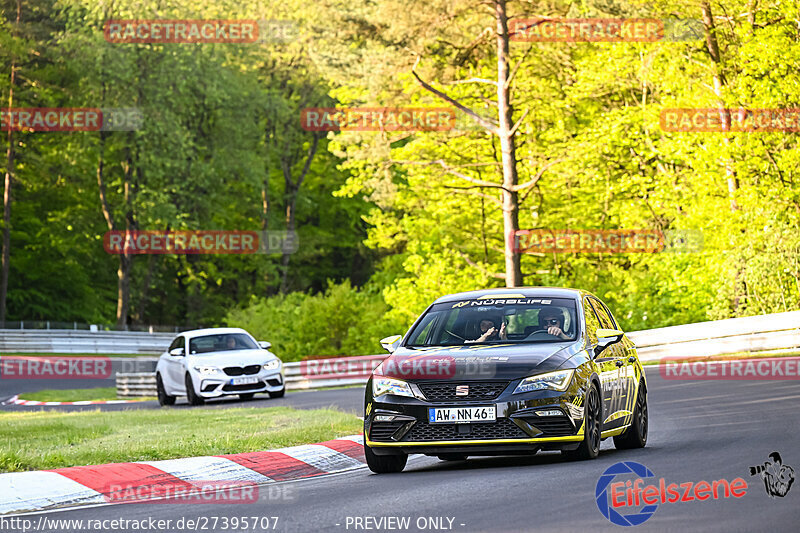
(496, 321)
(220, 343)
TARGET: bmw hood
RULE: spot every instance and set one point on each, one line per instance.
(477, 362)
(232, 358)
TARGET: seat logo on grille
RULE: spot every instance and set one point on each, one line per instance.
(462, 390)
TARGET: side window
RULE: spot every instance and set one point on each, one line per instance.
(592, 324)
(602, 314)
(181, 342)
(608, 311)
(174, 344)
(422, 335)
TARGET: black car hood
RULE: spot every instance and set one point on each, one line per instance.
(478, 361)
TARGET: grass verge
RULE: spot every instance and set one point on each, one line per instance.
(48, 439)
(74, 395)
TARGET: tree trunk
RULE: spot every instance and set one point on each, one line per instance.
(292, 191)
(505, 111)
(5, 262)
(719, 82)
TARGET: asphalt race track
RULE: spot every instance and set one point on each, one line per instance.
(699, 431)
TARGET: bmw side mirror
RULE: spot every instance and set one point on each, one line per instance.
(390, 344)
(605, 338)
(177, 352)
(265, 345)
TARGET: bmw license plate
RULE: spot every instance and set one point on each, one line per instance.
(249, 380)
(453, 415)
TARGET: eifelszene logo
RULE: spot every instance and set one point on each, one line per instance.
(633, 494)
(778, 477)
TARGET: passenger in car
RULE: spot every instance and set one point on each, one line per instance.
(490, 332)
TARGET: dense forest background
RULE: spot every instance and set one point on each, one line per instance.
(388, 221)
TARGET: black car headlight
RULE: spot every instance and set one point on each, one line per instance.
(382, 385)
(558, 380)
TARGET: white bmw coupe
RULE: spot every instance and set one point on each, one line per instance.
(210, 363)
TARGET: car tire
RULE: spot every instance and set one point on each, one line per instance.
(164, 399)
(191, 395)
(247, 396)
(589, 447)
(277, 394)
(636, 435)
(385, 464)
(452, 457)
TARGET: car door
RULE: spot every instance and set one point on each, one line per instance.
(615, 363)
(174, 365)
(630, 371)
(608, 370)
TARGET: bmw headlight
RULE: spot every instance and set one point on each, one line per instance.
(205, 370)
(558, 380)
(272, 365)
(381, 385)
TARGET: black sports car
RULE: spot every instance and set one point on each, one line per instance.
(506, 371)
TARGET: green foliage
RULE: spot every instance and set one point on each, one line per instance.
(340, 321)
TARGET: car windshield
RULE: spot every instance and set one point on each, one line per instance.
(221, 342)
(496, 321)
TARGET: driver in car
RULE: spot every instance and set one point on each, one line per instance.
(230, 342)
(552, 321)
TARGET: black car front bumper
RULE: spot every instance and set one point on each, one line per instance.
(520, 427)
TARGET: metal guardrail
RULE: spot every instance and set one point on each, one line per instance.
(303, 375)
(779, 331)
(78, 341)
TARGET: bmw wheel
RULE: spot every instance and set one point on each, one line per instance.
(163, 397)
(636, 435)
(191, 395)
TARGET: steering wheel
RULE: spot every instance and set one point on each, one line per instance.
(540, 332)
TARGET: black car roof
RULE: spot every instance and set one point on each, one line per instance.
(525, 292)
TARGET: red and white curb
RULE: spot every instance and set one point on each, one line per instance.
(91, 485)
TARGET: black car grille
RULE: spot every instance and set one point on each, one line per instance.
(502, 429)
(248, 386)
(552, 426)
(383, 431)
(445, 391)
(242, 371)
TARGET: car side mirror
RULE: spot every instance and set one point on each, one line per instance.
(605, 338)
(265, 345)
(390, 344)
(177, 352)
